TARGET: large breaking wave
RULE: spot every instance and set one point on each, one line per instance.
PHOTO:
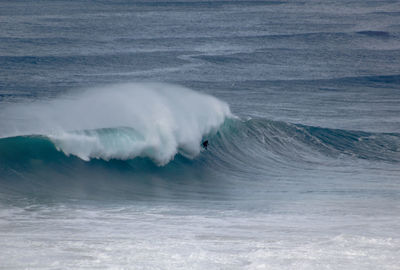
(104, 138)
(121, 122)
(236, 142)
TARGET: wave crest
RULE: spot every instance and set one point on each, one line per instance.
(122, 121)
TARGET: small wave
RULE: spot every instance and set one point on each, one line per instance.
(379, 34)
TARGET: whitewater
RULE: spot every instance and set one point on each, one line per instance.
(104, 106)
(121, 121)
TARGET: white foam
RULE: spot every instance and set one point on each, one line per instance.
(121, 121)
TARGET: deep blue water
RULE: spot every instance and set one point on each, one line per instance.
(104, 105)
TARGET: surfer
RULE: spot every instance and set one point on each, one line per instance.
(205, 144)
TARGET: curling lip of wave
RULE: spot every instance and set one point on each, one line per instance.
(122, 121)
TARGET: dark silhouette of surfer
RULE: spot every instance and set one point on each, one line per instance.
(205, 144)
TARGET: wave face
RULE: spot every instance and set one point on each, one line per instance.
(122, 122)
(297, 142)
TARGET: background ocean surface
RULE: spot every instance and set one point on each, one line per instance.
(104, 104)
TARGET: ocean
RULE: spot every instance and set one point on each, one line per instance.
(104, 106)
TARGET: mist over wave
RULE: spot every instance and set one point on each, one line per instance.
(121, 121)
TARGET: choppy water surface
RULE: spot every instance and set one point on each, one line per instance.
(104, 105)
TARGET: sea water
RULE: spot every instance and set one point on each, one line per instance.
(104, 106)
